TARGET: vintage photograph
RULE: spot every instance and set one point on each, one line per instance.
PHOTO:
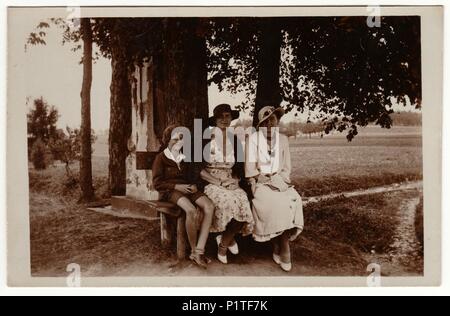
(221, 146)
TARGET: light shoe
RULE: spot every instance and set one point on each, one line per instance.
(287, 267)
(223, 259)
(234, 249)
(277, 259)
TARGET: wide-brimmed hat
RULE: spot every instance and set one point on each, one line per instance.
(219, 110)
(266, 112)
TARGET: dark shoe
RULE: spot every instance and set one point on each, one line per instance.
(200, 260)
(221, 249)
(295, 234)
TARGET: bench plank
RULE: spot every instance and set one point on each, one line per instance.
(172, 219)
(165, 207)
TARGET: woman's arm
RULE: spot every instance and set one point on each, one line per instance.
(286, 166)
(205, 175)
(251, 156)
(159, 181)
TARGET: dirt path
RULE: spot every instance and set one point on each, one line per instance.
(406, 245)
(404, 257)
(376, 190)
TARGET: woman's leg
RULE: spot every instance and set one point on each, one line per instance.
(276, 244)
(208, 211)
(191, 225)
(285, 248)
(233, 228)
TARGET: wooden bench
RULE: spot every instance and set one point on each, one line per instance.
(173, 223)
(171, 217)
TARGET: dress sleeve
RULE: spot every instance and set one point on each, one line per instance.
(159, 181)
(251, 155)
(286, 163)
(239, 158)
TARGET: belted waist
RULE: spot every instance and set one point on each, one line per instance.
(269, 174)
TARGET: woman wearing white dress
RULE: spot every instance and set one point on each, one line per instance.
(277, 206)
(225, 177)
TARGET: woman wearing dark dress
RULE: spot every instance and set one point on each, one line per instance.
(171, 180)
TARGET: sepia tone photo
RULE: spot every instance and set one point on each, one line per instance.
(215, 145)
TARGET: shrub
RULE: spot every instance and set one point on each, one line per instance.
(67, 147)
(41, 123)
(39, 155)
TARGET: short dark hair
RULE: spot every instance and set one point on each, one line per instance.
(167, 135)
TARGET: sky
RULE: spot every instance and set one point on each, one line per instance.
(54, 72)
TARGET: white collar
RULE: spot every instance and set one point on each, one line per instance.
(177, 159)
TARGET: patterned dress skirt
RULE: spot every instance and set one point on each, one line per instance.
(230, 204)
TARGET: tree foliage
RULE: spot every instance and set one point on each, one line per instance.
(337, 68)
(41, 122)
(66, 146)
(39, 155)
(233, 56)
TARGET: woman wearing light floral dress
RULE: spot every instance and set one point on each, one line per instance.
(225, 174)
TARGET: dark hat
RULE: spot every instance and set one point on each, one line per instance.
(219, 110)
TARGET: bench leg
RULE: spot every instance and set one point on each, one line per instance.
(166, 231)
(182, 242)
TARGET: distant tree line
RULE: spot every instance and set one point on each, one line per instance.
(294, 128)
(406, 119)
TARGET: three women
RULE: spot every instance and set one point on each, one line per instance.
(275, 212)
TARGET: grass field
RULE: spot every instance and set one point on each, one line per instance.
(376, 157)
(341, 235)
(340, 238)
(331, 164)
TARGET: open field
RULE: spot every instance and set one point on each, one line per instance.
(341, 237)
(376, 157)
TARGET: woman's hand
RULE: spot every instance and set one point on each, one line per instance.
(252, 183)
(193, 188)
(231, 184)
(205, 175)
(186, 188)
(263, 179)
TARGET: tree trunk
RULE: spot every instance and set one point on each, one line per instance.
(120, 119)
(86, 145)
(181, 88)
(268, 90)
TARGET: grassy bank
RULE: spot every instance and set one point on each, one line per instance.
(309, 187)
(338, 236)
